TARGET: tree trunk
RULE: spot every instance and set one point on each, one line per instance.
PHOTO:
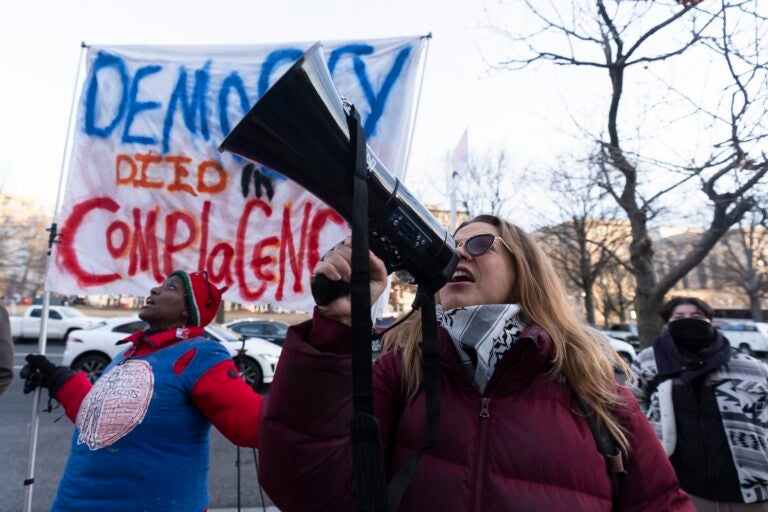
(23, 282)
(605, 310)
(589, 306)
(754, 307)
(648, 301)
(649, 323)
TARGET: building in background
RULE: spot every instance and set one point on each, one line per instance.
(734, 275)
(733, 278)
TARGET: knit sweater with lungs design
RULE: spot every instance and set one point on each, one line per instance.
(142, 430)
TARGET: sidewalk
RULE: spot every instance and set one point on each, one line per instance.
(271, 508)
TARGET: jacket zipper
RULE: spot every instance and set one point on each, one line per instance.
(484, 402)
(485, 415)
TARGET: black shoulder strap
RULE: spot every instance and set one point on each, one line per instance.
(431, 361)
(367, 454)
(373, 494)
(607, 446)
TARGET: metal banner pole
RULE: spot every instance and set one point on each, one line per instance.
(412, 128)
(41, 341)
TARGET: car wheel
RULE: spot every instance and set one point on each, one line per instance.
(745, 349)
(92, 365)
(251, 372)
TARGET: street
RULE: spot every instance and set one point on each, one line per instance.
(54, 439)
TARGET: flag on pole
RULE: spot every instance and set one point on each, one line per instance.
(459, 163)
(460, 155)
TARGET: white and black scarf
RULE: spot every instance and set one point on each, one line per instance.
(482, 334)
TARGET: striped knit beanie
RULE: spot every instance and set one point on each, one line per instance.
(203, 298)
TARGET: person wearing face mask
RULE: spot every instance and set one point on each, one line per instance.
(709, 408)
(142, 429)
(514, 362)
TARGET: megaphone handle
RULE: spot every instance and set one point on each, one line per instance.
(326, 291)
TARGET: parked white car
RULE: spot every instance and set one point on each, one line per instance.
(624, 332)
(91, 350)
(625, 350)
(746, 336)
(62, 320)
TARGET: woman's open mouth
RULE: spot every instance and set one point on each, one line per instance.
(461, 276)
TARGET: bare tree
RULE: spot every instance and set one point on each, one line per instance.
(23, 245)
(588, 237)
(746, 266)
(616, 291)
(629, 41)
(480, 187)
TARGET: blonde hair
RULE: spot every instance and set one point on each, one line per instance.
(580, 355)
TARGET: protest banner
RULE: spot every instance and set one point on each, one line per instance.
(148, 192)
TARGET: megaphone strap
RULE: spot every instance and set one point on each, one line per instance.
(367, 450)
(431, 359)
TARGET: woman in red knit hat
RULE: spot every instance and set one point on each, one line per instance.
(142, 430)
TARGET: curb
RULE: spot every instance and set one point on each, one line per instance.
(270, 508)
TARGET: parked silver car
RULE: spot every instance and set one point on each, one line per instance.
(269, 330)
(91, 350)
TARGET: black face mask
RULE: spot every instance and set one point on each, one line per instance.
(692, 334)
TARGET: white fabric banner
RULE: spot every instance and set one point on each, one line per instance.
(148, 192)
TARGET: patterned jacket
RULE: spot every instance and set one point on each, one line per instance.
(741, 391)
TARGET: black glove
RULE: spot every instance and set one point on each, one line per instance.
(39, 371)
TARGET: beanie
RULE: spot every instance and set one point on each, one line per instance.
(203, 298)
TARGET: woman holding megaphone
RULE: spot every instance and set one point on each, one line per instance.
(528, 398)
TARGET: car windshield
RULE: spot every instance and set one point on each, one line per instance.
(71, 313)
(630, 328)
(222, 332)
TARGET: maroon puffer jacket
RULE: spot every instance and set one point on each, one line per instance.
(530, 451)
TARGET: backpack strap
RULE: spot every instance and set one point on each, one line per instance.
(608, 448)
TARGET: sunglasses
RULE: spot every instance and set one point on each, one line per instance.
(480, 244)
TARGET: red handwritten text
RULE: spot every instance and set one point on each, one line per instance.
(151, 240)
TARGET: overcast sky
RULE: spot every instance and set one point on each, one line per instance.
(529, 114)
(40, 47)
